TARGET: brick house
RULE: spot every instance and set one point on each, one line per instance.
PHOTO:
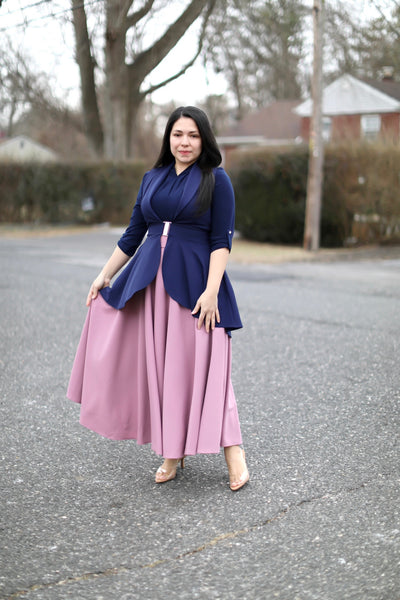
(355, 109)
(273, 125)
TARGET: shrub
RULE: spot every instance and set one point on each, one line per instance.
(269, 190)
(361, 184)
(54, 193)
(360, 196)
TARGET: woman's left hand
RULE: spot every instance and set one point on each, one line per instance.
(207, 304)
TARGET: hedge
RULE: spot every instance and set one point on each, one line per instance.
(68, 193)
(361, 193)
(360, 196)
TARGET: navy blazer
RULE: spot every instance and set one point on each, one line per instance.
(191, 239)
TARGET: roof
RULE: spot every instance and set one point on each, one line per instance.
(22, 148)
(348, 96)
(387, 86)
(277, 121)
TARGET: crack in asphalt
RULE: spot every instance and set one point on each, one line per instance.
(112, 571)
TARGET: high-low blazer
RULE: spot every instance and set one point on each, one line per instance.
(191, 239)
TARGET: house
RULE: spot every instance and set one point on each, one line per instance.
(273, 125)
(356, 109)
(23, 149)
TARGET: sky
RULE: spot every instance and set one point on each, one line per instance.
(42, 29)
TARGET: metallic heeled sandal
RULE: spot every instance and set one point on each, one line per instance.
(162, 475)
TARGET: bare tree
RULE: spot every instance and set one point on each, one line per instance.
(21, 86)
(378, 44)
(126, 69)
(263, 47)
(358, 47)
(341, 34)
(218, 111)
(258, 45)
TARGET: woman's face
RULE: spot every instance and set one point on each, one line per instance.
(185, 143)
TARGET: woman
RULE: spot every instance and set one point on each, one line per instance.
(153, 363)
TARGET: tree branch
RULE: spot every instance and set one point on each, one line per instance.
(388, 23)
(157, 86)
(137, 16)
(123, 13)
(183, 70)
(146, 61)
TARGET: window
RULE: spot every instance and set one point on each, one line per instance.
(326, 128)
(370, 126)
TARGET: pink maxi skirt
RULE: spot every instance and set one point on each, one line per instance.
(146, 372)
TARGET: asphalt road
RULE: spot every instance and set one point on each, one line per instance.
(317, 378)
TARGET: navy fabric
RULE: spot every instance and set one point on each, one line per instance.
(191, 239)
(165, 197)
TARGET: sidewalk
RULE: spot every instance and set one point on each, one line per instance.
(245, 252)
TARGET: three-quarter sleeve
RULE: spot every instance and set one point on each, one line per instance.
(222, 213)
(134, 233)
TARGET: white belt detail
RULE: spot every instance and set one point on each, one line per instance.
(167, 225)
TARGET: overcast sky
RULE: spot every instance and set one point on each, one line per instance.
(42, 29)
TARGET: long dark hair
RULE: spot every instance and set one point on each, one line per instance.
(209, 158)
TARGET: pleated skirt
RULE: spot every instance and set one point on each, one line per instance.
(146, 372)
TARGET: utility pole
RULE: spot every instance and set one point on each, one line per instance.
(316, 158)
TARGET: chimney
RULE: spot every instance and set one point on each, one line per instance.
(387, 73)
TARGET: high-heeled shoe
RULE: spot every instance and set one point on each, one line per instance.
(243, 479)
(163, 475)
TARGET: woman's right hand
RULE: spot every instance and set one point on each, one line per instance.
(100, 282)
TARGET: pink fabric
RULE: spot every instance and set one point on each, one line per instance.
(147, 373)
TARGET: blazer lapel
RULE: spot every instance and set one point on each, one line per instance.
(157, 176)
(190, 189)
(154, 180)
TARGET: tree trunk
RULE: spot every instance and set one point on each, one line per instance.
(92, 122)
(135, 98)
(10, 124)
(123, 82)
(115, 122)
